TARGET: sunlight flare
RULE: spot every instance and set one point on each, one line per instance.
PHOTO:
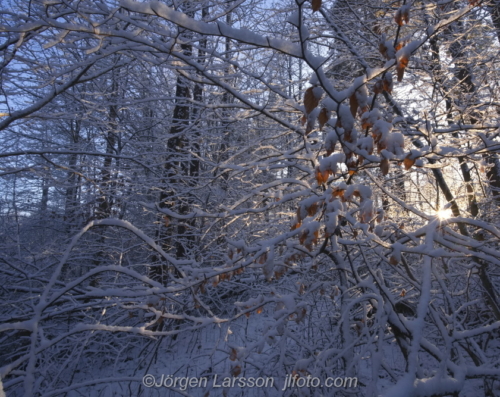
(444, 213)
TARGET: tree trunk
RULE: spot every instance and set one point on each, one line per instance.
(493, 173)
(463, 74)
(71, 204)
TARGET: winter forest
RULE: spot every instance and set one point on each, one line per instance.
(198, 194)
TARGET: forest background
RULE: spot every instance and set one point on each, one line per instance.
(248, 188)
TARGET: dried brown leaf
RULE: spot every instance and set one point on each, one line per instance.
(399, 18)
(262, 259)
(383, 50)
(353, 102)
(384, 166)
(338, 192)
(406, 15)
(316, 5)
(378, 87)
(402, 16)
(236, 370)
(323, 118)
(312, 209)
(408, 162)
(303, 237)
(321, 176)
(401, 72)
(299, 215)
(310, 101)
(387, 84)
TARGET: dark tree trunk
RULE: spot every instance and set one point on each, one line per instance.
(71, 204)
(462, 73)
